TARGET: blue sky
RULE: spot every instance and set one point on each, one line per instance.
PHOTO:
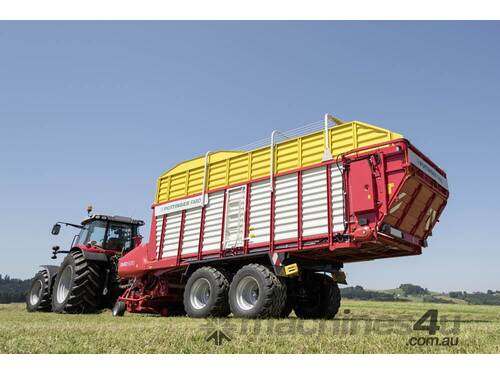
(93, 112)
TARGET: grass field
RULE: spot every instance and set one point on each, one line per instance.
(360, 327)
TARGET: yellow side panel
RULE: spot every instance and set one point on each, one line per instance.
(200, 161)
(238, 169)
(162, 189)
(195, 181)
(186, 178)
(368, 134)
(356, 134)
(178, 186)
(287, 156)
(217, 174)
(341, 139)
(260, 163)
(232, 167)
(313, 146)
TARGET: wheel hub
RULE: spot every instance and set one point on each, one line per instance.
(36, 292)
(247, 293)
(63, 287)
(199, 294)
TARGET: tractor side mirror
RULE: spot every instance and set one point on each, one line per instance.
(56, 229)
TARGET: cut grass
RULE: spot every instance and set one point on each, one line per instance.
(360, 327)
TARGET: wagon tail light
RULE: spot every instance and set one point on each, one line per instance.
(364, 233)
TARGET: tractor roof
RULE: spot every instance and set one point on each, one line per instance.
(116, 218)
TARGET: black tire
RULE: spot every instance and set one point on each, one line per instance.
(113, 291)
(39, 296)
(206, 294)
(256, 292)
(287, 308)
(119, 308)
(78, 286)
(317, 297)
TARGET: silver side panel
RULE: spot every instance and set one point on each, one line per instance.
(192, 226)
(314, 202)
(213, 221)
(285, 207)
(260, 212)
(172, 232)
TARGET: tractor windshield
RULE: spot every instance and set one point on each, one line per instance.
(108, 235)
(93, 233)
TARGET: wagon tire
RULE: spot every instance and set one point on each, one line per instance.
(206, 293)
(78, 286)
(318, 299)
(287, 308)
(256, 292)
(39, 295)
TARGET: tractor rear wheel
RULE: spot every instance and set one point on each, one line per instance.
(317, 297)
(78, 286)
(256, 292)
(205, 293)
(39, 295)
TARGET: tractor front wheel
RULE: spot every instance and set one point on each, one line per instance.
(78, 286)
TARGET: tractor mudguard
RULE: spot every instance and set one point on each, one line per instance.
(95, 257)
(52, 272)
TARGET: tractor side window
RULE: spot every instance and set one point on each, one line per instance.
(82, 236)
(97, 231)
(119, 237)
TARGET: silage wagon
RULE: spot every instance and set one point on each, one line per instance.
(263, 232)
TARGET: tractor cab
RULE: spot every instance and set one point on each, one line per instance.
(106, 232)
(117, 233)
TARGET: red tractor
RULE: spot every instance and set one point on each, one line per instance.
(87, 279)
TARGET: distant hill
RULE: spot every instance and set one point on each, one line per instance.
(415, 293)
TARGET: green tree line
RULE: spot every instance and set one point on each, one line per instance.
(13, 290)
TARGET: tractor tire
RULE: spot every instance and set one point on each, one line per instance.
(256, 292)
(39, 296)
(317, 297)
(206, 294)
(78, 286)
